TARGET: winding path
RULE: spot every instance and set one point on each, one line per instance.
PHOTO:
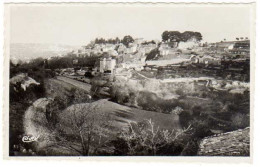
(79, 84)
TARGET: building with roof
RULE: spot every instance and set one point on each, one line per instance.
(107, 47)
(234, 47)
(121, 48)
(107, 65)
(241, 48)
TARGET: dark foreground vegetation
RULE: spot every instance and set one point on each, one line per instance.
(85, 131)
(208, 114)
(20, 100)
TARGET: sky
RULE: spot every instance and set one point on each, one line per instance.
(79, 24)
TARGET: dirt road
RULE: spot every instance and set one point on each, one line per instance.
(76, 83)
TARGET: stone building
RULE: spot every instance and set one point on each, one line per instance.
(107, 65)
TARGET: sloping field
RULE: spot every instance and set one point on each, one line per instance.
(122, 115)
(36, 124)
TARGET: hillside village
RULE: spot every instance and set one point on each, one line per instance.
(129, 79)
(144, 55)
(181, 80)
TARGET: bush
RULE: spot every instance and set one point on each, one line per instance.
(145, 138)
(185, 117)
(153, 54)
(150, 101)
(239, 121)
(201, 128)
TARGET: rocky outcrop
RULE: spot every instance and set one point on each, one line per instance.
(23, 80)
(235, 143)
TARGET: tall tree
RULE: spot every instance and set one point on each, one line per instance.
(127, 40)
(187, 35)
(165, 36)
(175, 36)
(117, 40)
(198, 36)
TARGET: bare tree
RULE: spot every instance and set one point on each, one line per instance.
(145, 136)
(82, 129)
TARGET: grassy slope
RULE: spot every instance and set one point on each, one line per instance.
(122, 114)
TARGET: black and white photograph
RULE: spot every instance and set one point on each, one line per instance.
(134, 79)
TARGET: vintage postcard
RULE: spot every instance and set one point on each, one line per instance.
(132, 80)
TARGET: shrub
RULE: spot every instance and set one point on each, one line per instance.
(177, 110)
(196, 110)
(201, 128)
(153, 54)
(239, 121)
(145, 138)
(185, 117)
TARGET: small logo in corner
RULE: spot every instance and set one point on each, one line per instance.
(29, 138)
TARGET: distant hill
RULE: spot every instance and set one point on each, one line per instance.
(34, 50)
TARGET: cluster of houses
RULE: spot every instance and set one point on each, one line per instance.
(119, 57)
(225, 50)
(139, 45)
(234, 48)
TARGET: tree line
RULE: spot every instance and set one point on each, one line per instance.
(176, 36)
(167, 36)
(126, 40)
